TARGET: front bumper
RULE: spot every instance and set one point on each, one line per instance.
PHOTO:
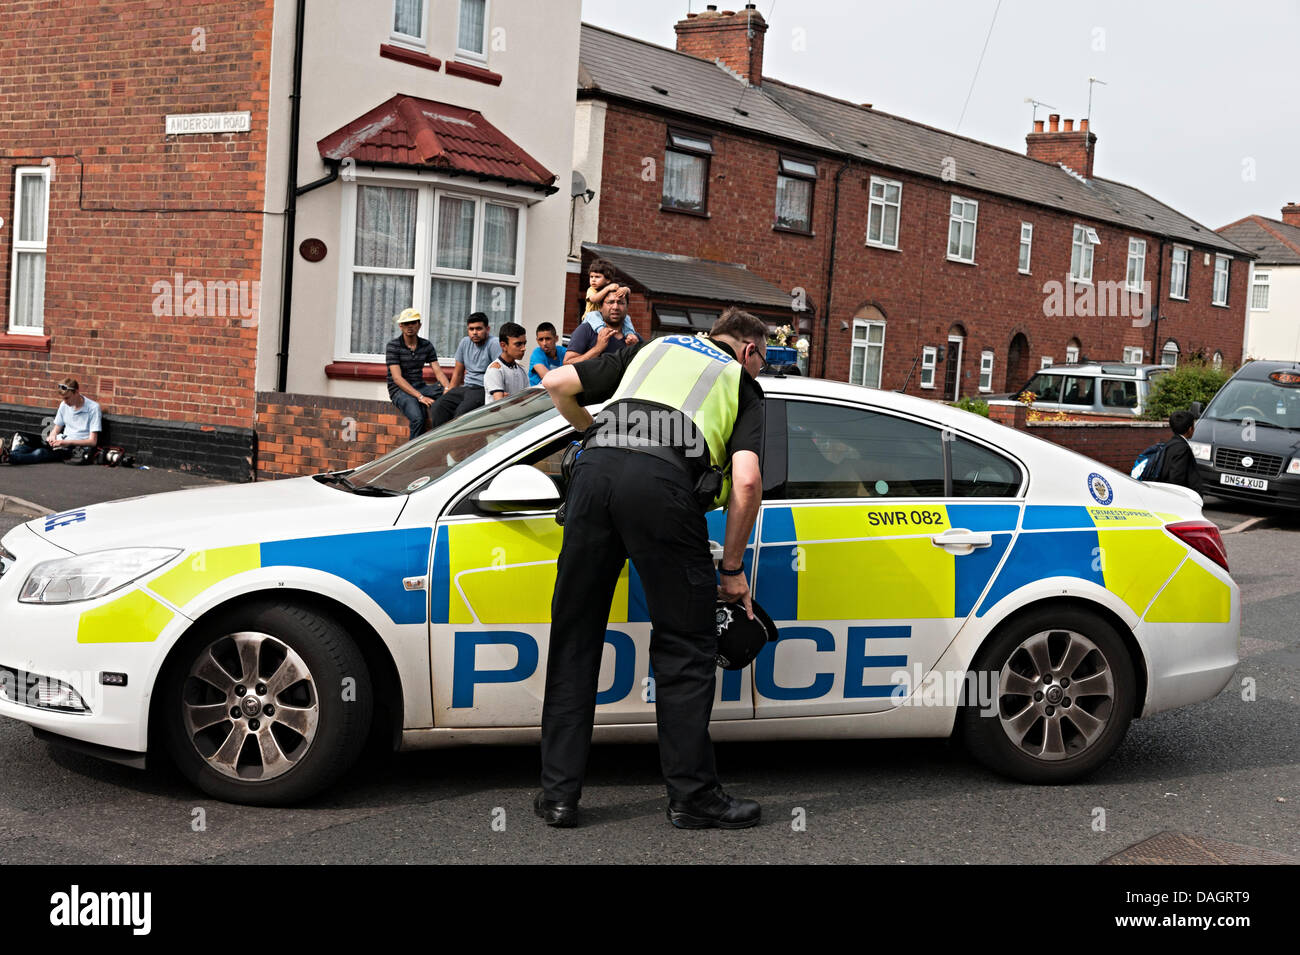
(42, 640)
(1283, 490)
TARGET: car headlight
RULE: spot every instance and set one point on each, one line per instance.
(1200, 450)
(88, 576)
(1294, 466)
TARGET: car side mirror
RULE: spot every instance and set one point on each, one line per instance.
(519, 487)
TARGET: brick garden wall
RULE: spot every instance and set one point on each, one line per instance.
(307, 434)
(1113, 443)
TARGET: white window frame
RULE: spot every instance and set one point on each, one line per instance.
(1045, 361)
(1217, 360)
(1260, 281)
(463, 54)
(797, 170)
(1170, 346)
(1180, 295)
(1132, 355)
(986, 370)
(420, 42)
(1026, 247)
(867, 345)
(1227, 278)
(425, 272)
(1137, 252)
(1085, 238)
(881, 202)
(958, 218)
(1071, 354)
(929, 361)
(29, 245)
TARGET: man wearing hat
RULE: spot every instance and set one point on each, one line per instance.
(406, 355)
(681, 434)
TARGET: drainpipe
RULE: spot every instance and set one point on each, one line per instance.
(291, 197)
(1155, 311)
(830, 268)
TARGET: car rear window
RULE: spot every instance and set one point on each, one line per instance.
(1118, 394)
(1078, 391)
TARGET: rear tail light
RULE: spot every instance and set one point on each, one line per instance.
(1204, 536)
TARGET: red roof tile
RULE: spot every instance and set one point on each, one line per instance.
(421, 134)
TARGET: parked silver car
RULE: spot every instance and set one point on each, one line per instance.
(1109, 388)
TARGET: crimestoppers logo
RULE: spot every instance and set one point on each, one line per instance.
(78, 908)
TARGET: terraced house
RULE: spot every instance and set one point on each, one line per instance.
(911, 258)
(211, 212)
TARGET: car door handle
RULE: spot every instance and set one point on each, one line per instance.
(959, 540)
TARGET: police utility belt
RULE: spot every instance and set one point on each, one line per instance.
(707, 478)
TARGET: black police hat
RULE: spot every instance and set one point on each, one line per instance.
(739, 638)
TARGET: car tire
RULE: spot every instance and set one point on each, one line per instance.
(1024, 722)
(266, 705)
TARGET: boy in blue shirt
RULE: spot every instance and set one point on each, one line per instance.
(546, 355)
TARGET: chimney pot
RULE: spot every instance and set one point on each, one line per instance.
(712, 6)
(1038, 125)
(1069, 126)
(1291, 214)
(1083, 125)
(1053, 121)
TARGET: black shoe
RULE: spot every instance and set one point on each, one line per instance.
(560, 813)
(714, 809)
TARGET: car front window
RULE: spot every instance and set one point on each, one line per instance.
(1044, 387)
(465, 439)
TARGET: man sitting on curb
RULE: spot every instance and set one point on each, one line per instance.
(77, 424)
(507, 375)
(406, 355)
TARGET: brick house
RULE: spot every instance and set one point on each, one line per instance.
(1273, 319)
(923, 261)
(210, 214)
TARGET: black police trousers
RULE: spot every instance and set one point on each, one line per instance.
(628, 504)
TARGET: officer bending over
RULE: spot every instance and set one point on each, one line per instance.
(681, 434)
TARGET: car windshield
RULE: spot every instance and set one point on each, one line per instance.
(1044, 387)
(438, 453)
(1259, 401)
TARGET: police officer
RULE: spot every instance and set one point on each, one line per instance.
(681, 433)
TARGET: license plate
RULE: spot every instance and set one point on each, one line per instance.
(1236, 480)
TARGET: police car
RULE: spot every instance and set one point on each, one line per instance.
(931, 573)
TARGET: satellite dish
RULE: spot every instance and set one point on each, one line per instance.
(579, 187)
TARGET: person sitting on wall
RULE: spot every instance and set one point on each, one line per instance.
(474, 353)
(507, 375)
(406, 355)
(546, 355)
(587, 343)
(77, 424)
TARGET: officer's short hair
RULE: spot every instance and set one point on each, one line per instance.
(739, 324)
(511, 330)
(1180, 421)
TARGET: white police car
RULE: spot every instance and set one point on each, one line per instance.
(930, 572)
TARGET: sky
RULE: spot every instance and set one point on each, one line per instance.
(1201, 107)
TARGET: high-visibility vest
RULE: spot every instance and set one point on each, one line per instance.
(693, 376)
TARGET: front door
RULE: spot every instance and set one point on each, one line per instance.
(952, 370)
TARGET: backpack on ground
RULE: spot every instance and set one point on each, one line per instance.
(1149, 463)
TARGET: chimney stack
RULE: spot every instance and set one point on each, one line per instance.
(1074, 148)
(1291, 214)
(731, 38)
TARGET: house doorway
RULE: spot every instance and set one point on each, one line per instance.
(952, 367)
(1017, 362)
